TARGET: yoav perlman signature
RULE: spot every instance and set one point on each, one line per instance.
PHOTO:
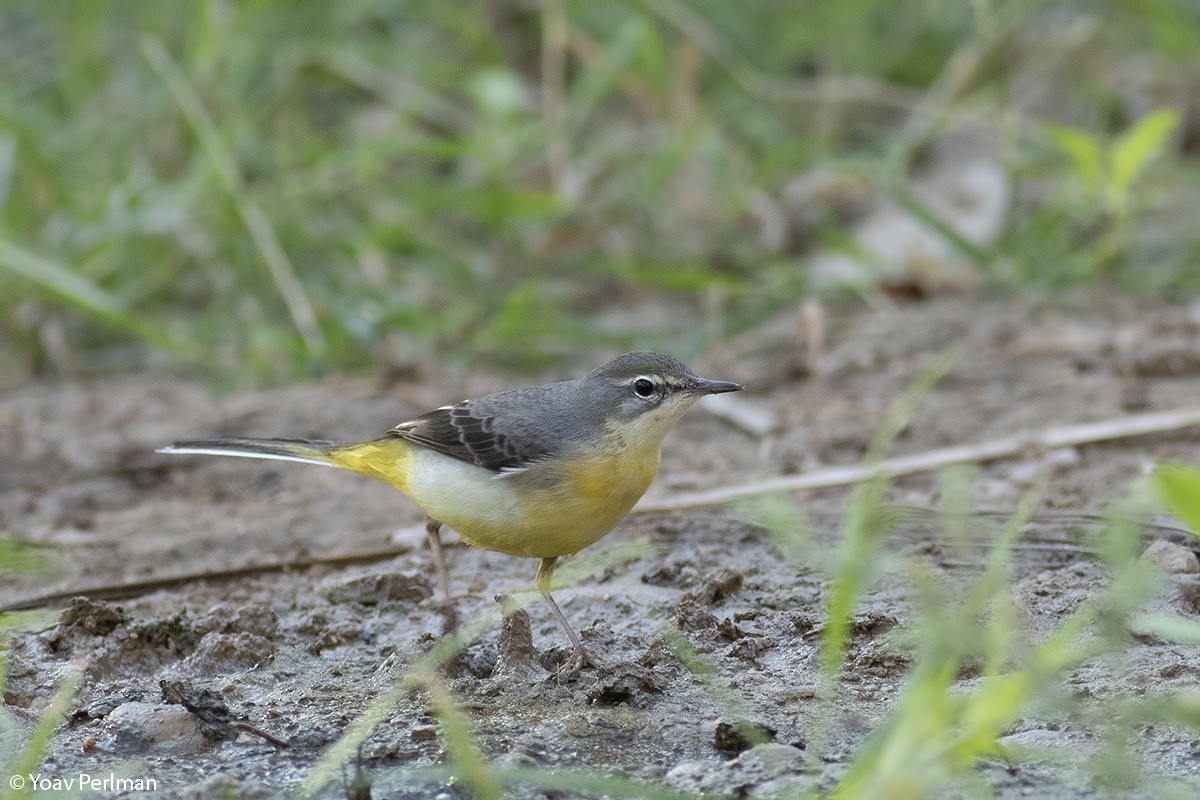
(37, 782)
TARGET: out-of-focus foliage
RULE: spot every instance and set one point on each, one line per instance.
(281, 188)
(1178, 489)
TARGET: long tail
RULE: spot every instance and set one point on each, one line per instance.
(388, 459)
(303, 450)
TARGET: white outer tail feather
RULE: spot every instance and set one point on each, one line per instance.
(220, 451)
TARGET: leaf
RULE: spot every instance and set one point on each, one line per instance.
(1178, 488)
(24, 558)
(1083, 151)
(1168, 628)
(1135, 149)
(36, 620)
(612, 70)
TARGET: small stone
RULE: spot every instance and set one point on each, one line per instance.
(1038, 744)
(719, 583)
(375, 588)
(423, 733)
(765, 770)
(101, 708)
(94, 618)
(786, 786)
(1171, 558)
(691, 616)
(694, 777)
(771, 760)
(137, 727)
(737, 737)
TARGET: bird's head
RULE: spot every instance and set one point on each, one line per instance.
(644, 394)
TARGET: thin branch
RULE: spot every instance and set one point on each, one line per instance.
(990, 450)
(125, 591)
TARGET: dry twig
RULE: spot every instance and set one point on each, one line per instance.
(1038, 441)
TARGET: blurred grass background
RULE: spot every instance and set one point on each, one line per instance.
(276, 190)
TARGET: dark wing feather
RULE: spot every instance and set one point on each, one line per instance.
(467, 431)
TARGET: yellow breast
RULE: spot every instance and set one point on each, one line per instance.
(590, 498)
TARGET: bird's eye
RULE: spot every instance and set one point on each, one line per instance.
(643, 387)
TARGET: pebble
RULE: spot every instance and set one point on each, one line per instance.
(763, 770)
(1171, 558)
(734, 737)
(771, 760)
(137, 727)
(1040, 744)
(375, 588)
(423, 733)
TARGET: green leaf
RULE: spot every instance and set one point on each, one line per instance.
(36, 620)
(1178, 488)
(1135, 149)
(24, 558)
(37, 745)
(597, 79)
(1083, 151)
(1167, 627)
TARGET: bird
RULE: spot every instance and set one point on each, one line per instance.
(538, 472)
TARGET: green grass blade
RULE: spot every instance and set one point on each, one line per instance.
(329, 765)
(1178, 488)
(34, 752)
(255, 220)
(721, 694)
(868, 521)
(61, 282)
(84, 295)
(470, 765)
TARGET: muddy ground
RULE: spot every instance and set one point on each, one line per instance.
(300, 654)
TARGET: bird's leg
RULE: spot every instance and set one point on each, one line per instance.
(580, 657)
(433, 530)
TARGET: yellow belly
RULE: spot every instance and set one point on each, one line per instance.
(586, 504)
(546, 510)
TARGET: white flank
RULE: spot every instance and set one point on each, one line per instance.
(446, 487)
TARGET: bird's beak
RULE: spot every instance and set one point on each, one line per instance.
(708, 386)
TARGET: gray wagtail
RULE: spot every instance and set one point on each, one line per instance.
(541, 472)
